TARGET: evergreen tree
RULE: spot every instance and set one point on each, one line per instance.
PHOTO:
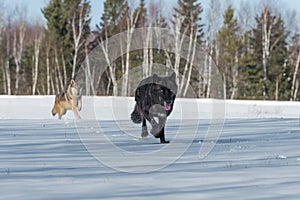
(113, 19)
(229, 42)
(59, 34)
(57, 22)
(141, 11)
(189, 11)
(187, 21)
(269, 72)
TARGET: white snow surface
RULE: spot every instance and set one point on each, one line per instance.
(256, 155)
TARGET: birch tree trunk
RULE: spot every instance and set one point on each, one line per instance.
(48, 69)
(187, 64)
(64, 68)
(266, 36)
(59, 81)
(151, 57)
(77, 35)
(18, 46)
(191, 64)
(146, 55)
(131, 23)
(7, 64)
(111, 68)
(235, 75)
(293, 91)
(215, 12)
(37, 44)
(225, 85)
(2, 67)
(179, 37)
(210, 62)
(296, 90)
(203, 77)
(89, 77)
(8, 78)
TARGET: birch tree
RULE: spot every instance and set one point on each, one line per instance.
(228, 40)
(77, 37)
(7, 61)
(266, 37)
(113, 21)
(18, 47)
(35, 70)
(213, 25)
(131, 23)
(80, 29)
(295, 53)
(2, 29)
(111, 67)
(269, 58)
(187, 22)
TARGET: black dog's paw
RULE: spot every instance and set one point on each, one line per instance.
(163, 141)
(144, 131)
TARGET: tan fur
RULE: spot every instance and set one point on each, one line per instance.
(70, 100)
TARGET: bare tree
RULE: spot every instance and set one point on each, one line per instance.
(111, 67)
(7, 62)
(59, 84)
(131, 24)
(37, 44)
(294, 89)
(1, 41)
(192, 57)
(213, 19)
(266, 37)
(77, 28)
(48, 69)
(179, 37)
(187, 64)
(147, 42)
(178, 43)
(18, 45)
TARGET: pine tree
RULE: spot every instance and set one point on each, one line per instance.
(141, 11)
(113, 20)
(269, 70)
(189, 11)
(59, 36)
(57, 21)
(229, 43)
(187, 24)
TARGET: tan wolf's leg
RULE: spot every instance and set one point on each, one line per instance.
(75, 112)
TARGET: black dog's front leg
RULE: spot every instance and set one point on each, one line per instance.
(161, 136)
(144, 128)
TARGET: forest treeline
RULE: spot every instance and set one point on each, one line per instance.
(255, 47)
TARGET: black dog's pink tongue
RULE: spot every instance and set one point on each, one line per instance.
(167, 107)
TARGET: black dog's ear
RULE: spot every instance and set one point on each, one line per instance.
(155, 78)
(173, 76)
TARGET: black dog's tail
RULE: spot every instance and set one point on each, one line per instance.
(136, 115)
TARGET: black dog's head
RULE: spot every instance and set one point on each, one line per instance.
(165, 89)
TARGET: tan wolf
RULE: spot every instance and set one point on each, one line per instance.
(71, 99)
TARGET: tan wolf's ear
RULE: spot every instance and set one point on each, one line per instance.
(57, 97)
(72, 81)
(173, 76)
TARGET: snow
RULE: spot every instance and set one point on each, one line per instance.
(256, 155)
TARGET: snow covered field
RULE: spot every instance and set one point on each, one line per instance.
(255, 155)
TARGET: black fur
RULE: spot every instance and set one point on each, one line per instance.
(154, 98)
